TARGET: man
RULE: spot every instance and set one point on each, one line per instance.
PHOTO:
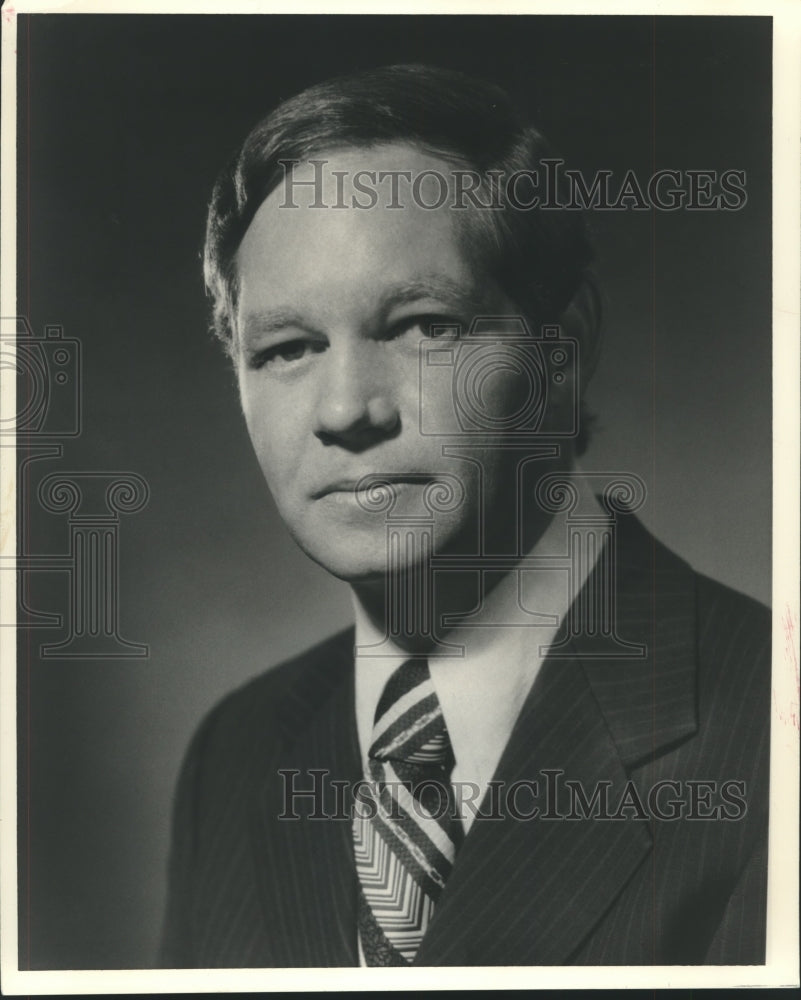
(546, 740)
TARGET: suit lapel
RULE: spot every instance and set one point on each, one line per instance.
(305, 865)
(530, 891)
(650, 704)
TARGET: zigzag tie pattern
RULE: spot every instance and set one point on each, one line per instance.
(405, 834)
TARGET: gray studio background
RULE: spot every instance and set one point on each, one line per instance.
(124, 122)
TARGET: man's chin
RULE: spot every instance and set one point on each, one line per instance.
(365, 553)
(360, 567)
(345, 558)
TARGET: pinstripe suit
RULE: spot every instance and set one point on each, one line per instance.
(250, 890)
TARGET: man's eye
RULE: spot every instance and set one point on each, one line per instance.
(434, 327)
(284, 354)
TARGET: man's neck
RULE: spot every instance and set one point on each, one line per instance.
(491, 599)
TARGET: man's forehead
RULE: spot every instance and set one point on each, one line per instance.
(319, 229)
(392, 175)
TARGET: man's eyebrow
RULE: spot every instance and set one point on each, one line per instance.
(439, 286)
(436, 286)
(266, 321)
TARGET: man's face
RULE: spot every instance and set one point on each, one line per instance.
(333, 306)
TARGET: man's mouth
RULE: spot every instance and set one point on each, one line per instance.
(368, 484)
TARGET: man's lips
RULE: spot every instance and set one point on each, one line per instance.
(371, 481)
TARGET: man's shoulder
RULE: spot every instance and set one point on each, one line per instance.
(688, 613)
(731, 636)
(653, 563)
(264, 711)
(298, 684)
(734, 642)
(721, 605)
(305, 677)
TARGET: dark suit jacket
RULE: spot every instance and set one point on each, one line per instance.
(247, 889)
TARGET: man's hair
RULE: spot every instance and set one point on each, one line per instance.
(540, 258)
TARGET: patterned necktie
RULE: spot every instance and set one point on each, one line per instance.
(405, 833)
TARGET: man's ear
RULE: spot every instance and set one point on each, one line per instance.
(582, 320)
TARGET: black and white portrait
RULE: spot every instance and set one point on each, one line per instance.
(393, 559)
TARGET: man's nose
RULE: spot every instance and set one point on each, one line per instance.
(357, 403)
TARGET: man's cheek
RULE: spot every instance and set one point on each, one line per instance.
(272, 465)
